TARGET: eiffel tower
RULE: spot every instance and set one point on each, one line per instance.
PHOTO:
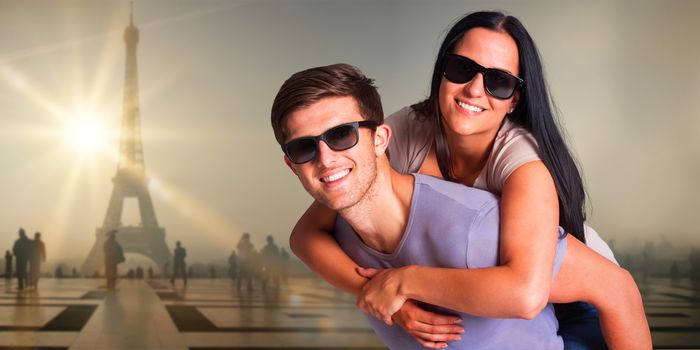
(147, 239)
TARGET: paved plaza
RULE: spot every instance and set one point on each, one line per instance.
(151, 314)
(213, 314)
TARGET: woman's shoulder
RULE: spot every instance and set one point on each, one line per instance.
(514, 146)
(410, 143)
(410, 126)
(405, 117)
(511, 133)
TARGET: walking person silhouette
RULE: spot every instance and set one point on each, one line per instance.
(22, 251)
(179, 266)
(114, 255)
(37, 257)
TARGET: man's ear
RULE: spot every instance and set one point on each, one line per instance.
(381, 139)
(289, 164)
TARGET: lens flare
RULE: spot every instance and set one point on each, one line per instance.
(86, 133)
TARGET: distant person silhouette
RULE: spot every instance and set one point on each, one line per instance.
(8, 265)
(270, 261)
(22, 250)
(38, 256)
(674, 272)
(59, 272)
(179, 266)
(166, 267)
(648, 259)
(256, 266)
(694, 259)
(114, 255)
(150, 272)
(246, 267)
(233, 265)
(139, 272)
(284, 265)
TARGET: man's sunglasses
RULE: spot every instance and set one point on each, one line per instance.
(499, 84)
(338, 138)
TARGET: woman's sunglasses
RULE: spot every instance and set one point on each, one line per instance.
(499, 84)
(338, 138)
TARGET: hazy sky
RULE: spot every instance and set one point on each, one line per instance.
(624, 76)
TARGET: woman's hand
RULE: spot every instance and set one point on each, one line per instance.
(381, 297)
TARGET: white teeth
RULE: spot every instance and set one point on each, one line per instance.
(336, 176)
(469, 107)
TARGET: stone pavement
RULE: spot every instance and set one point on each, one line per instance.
(151, 314)
(673, 311)
(213, 314)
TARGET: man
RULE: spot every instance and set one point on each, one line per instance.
(246, 265)
(8, 265)
(233, 265)
(38, 256)
(329, 123)
(270, 256)
(179, 266)
(22, 250)
(114, 255)
(284, 265)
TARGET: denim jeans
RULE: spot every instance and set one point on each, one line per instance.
(579, 326)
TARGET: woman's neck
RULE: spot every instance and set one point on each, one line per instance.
(469, 155)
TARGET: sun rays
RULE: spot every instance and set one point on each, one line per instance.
(69, 143)
(86, 133)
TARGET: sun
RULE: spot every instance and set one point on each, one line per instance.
(86, 133)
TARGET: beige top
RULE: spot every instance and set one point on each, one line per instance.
(514, 146)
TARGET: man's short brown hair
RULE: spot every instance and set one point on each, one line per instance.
(309, 86)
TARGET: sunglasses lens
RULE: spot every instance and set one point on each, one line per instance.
(301, 150)
(459, 71)
(342, 137)
(500, 84)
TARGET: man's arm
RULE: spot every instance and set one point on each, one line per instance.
(312, 242)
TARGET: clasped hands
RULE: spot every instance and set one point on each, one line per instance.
(383, 297)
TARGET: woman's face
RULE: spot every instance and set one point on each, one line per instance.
(467, 109)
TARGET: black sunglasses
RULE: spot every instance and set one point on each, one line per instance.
(338, 138)
(499, 84)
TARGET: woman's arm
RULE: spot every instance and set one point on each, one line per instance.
(517, 288)
(584, 275)
(520, 287)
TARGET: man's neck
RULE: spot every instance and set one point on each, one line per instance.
(381, 216)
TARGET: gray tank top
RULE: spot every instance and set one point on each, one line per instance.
(451, 225)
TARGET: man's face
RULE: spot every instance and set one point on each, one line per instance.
(338, 179)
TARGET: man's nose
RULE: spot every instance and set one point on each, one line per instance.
(325, 154)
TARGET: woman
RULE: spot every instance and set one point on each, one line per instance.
(487, 123)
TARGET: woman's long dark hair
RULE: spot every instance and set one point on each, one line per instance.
(533, 112)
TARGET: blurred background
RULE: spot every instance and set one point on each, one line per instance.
(624, 76)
